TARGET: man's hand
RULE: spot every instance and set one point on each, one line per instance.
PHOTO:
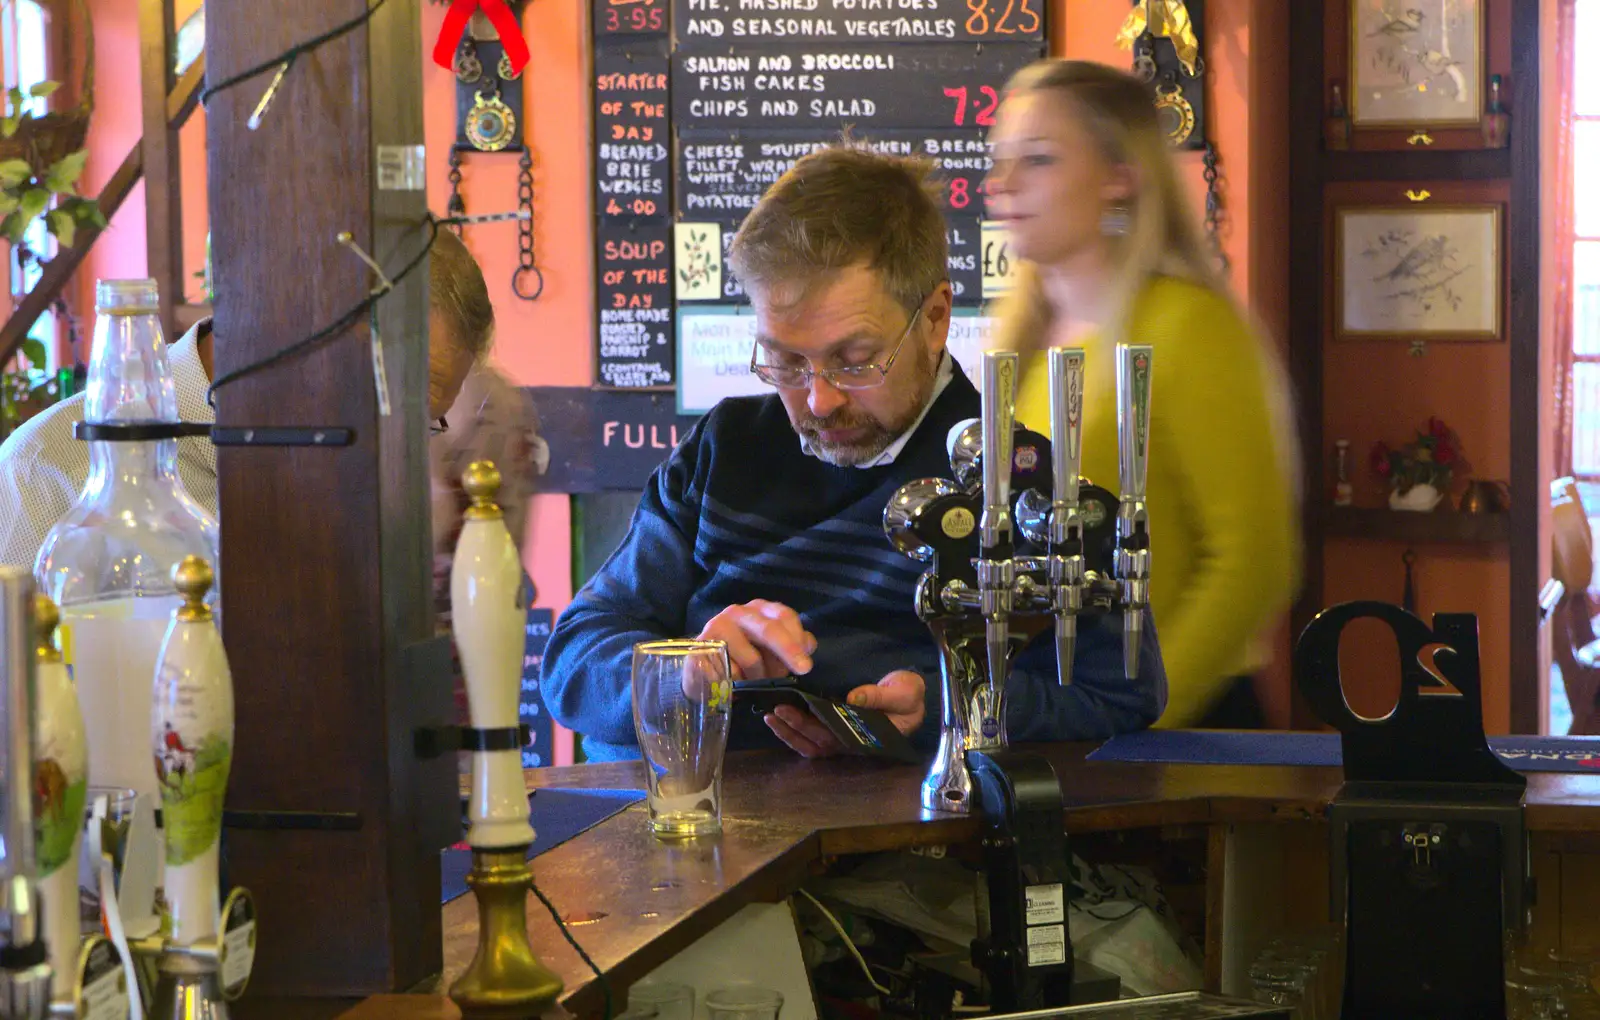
(765, 640)
(898, 695)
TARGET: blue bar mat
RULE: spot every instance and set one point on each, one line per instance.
(1265, 747)
(557, 816)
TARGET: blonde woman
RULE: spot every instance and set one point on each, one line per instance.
(1087, 188)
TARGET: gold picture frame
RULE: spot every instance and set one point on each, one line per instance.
(1419, 272)
(1417, 63)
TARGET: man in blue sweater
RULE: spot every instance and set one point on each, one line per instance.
(763, 529)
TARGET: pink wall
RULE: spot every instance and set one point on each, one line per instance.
(549, 342)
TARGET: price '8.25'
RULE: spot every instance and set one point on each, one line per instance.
(1027, 23)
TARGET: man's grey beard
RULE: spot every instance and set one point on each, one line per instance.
(878, 436)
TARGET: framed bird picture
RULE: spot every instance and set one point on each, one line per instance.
(1419, 269)
(1416, 63)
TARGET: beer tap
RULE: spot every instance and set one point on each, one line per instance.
(489, 616)
(24, 963)
(1058, 523)
(1133, 523)
(996, 566)
(204, 950)
(1049, 546)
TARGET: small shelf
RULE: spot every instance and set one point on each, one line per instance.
(1450, 527)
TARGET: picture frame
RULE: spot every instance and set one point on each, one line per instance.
(1419, 271)
(1417, 64)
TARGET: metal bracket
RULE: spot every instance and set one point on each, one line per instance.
(435, 741)
(1026, 954)
(274, 436)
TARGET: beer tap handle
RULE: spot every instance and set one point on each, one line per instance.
(995, 566)
(1066, 522)
(1133, 525)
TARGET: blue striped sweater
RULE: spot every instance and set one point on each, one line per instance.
(739, 512)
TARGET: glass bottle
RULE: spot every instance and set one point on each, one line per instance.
(1496, 125)
(1343, 492)
(108, 563)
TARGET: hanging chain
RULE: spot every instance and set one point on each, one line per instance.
(455, 207)
(1214, 207)
(525, 263)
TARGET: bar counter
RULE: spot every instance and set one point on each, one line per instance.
(633, 902)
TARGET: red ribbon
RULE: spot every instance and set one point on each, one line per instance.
(500, 16)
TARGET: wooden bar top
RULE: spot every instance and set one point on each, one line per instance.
(633, 902)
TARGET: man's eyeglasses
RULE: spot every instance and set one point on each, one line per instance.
(848, 377)
(436, 427)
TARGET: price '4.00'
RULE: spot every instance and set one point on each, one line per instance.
(1027, 15)
(637, 207)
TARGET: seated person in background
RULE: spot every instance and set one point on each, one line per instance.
(494, 420)
(763, 529)
(43, 468)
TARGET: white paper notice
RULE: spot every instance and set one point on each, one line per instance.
(1047, 945)
(969, 334)
(697, 267)
(714, 346)
(999, 265)
(1047, 904)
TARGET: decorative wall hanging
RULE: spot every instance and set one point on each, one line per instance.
(482, 44)
(1164, 37)
(1419, 272)
(1416, 65)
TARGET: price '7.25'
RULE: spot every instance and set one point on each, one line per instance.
(983, 105)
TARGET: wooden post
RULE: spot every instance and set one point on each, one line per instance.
(326, 552)
(163, 193)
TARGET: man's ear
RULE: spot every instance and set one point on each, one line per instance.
(938, 309)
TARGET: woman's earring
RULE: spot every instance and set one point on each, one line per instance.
(1115, 221)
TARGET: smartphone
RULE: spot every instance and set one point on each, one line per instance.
(863, 731)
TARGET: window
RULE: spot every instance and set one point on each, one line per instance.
(25, 37)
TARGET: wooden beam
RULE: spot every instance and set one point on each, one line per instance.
(327, 593)
(1306, 311)
(163, 201)
(1528, 379)
(185, 95)
(181, 103)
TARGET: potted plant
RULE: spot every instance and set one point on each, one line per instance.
(41, 160)
(1419, 473)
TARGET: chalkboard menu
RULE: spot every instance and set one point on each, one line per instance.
(530, 705)
(700, 105)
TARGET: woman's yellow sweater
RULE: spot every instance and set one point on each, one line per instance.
(1224, 529)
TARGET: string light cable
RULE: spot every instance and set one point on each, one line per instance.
(605, 985)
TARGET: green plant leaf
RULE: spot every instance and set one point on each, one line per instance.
(34, 202)
(15, 226)
(8, 203)
(63, 175)
(14, 172)
(33, 350)
(43, 89)
(82, 208)
(17, 96)
(9, 125)
(62, 225)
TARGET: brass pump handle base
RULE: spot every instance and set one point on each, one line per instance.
(505, 980)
